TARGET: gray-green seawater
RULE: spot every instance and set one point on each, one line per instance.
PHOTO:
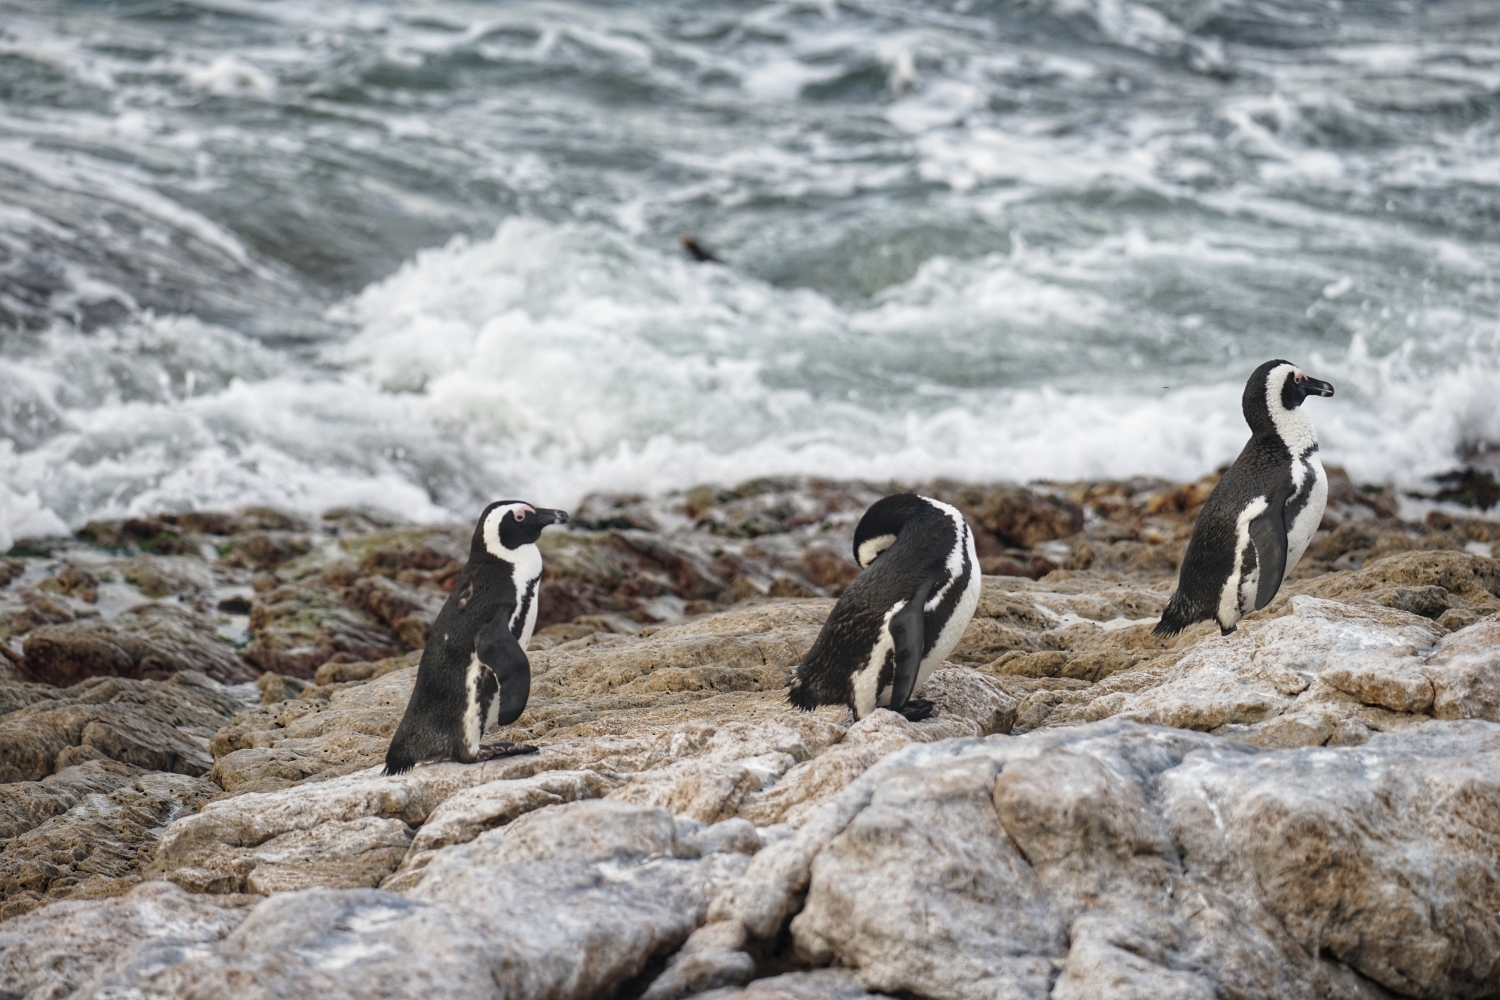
(423, 255)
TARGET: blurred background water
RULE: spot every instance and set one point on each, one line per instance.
(422, 255)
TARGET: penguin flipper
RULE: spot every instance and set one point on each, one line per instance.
(499, 650)
(1268, 535)
(908, 633)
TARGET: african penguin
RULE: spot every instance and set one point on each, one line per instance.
(1260, 517)
(901, 617)
(474, 674)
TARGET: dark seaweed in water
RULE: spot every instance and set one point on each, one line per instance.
(1000, 239)
(1469, 487)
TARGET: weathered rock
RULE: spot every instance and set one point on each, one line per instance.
(464, 815)
(67, 949)
(1464, 671)
(26, 804)
(150, 641)
(1166, 863)
(1014, 515)
(158, 725)
(324, 731)
(295, 629)
(605, 872)
(166, 576)
(407, 611)
(675, 786)
(1425, 583)
(97, 847)
(819, 984)
(1323, 669)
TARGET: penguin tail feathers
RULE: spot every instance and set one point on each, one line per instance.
(399, 759)
(801, 695)
(1176, 616)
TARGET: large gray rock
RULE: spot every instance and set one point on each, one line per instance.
(68, 948)
(573, 905)
(1117, 860)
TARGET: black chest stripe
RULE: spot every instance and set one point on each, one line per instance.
(938, 616)
(1298, 501)
(523, 607)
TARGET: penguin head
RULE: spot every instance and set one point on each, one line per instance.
(884, 520)
(508, 525)
(1277, 388)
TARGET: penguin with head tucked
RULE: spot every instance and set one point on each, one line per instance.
(474, 674)
(901, 617)
(1260, 517)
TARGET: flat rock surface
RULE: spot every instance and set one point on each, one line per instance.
(1298, 809)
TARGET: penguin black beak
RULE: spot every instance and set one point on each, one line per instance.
(545, 516)
(1314, 387)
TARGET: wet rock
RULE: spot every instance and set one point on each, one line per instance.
(296, 628)
(35, 609)
(262, 550)
(10, 569)
(1014, 515)
(72, 581)
(407, 611)
(153, 535)
(149, 641)
(390, 552)
(1469, 487)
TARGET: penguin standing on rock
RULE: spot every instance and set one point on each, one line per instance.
(1260, 517)
(474, 673)
(901, 617)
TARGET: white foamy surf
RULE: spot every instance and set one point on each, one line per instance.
(1018, 242)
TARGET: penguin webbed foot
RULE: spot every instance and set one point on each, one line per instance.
(495, 751)
(915, 709)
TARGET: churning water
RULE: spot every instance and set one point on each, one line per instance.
(421, 255)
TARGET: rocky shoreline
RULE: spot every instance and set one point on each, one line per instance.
(193, 709)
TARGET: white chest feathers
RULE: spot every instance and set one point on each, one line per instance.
(526, 573)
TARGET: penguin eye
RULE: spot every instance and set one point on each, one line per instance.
(520, 515)
(1301, 377)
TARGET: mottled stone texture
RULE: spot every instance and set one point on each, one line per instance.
(1301, 809)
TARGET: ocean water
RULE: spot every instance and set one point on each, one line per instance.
(420, 256)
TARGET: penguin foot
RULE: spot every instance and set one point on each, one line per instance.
(915, 709)
(497, 750)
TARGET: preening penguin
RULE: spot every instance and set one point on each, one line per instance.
(901, 617)
(1260, 517)
(474, 673)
